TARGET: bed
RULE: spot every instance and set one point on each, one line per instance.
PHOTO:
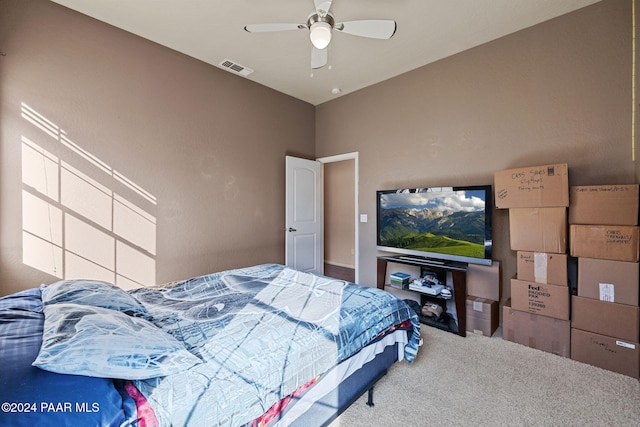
(259, 346)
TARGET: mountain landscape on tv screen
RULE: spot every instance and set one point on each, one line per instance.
(430, 230)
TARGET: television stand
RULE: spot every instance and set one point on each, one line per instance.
(458, 271)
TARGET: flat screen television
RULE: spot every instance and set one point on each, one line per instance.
(436, 223)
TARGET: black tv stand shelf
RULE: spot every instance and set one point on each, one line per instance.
(458, 272)
(448, 325)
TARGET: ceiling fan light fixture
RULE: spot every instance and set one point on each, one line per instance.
(320, 34)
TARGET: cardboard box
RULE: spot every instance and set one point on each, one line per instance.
(605, 318)
(535, 186)
(483, 281)
(482, 316)
(606, 352)
(540, 298)
(535, 331)
(538, 229)
(604, 204)
(542, 267)
(607, 280)
(614, 242)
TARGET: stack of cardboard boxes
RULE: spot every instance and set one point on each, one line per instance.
(537, 314)
(603, 223)
(600, 323)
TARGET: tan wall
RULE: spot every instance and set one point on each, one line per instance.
(207, 147)
(339, 205)
(556, 92)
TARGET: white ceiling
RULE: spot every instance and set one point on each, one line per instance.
(428, 30)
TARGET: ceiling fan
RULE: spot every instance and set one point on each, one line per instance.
(321, 23)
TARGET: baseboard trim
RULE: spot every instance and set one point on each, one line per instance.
(343, 273)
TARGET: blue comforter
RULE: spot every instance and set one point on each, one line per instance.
(219, 349)
(261, 332)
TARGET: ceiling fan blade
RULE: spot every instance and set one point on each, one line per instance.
(322, 6)
(268, 28)
(318, 58)
(371, 28)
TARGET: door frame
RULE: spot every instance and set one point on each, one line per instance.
(338, 158)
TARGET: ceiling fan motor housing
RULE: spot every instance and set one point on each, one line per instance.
(328, 18)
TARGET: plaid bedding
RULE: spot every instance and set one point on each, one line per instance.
(262, 332)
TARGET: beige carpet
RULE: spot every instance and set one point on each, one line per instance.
(480, 381)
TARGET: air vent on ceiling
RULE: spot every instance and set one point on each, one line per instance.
(235, 68)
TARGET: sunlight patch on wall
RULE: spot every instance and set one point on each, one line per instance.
(81, 221)
(85, 196)
(41, 254)
(41, 219)
(77, 267)
(131, 264)
(134, 224)
(40, 169)
(91, 243)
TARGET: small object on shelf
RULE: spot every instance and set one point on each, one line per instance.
(400, 277)
(431, 277)
(399, 280)
(431, 310)
(446, 293)
(426, 287)
(429, 285)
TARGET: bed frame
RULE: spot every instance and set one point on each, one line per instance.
(329, 407)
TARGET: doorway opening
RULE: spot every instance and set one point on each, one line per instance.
(340, 182)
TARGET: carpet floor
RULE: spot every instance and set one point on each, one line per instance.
(481, 381)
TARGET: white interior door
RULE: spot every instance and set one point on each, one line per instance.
(304, 242)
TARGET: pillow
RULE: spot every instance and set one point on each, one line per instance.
(98, 342)
(22, 384)
(27, 300)
(94, 293)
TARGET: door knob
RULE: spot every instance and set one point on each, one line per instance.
(292, 229)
